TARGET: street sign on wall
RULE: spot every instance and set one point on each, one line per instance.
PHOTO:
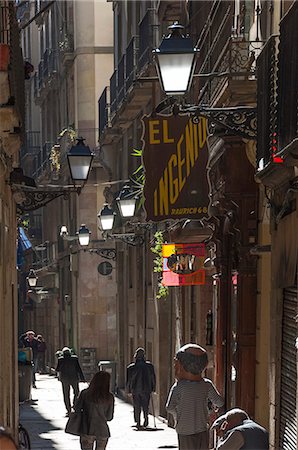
(183, 264)
(175, 158)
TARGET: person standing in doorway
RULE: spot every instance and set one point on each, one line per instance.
(140, 382)
(97, 406)
(70, 373)
(41, 354)
(189, 396)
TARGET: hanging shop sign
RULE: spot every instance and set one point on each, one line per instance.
(183, 264)
(175, 158)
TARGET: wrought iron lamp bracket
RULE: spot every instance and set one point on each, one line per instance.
(128, 238)
(238, 121)
(30, 198)
(107, 253)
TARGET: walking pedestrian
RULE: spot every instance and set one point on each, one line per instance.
(189, 396)
(26, 340)
(70, 373)
(97, 404)
(6, 440)
(41, 354)
(236, 431)
(140, 382)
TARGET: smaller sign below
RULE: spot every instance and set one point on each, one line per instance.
(183, 264)
(105, 268)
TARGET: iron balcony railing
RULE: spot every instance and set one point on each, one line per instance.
(40, 74)
(146, 37)
(43, 159)
(267, 135)
(237, 60)
(45, 66)
(103, 111)
(121, 80)
(32, 144)
(131, 60)
(113, 91)
(287, 91)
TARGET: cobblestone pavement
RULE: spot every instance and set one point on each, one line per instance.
(44, 418)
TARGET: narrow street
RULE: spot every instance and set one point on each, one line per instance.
(44, 418)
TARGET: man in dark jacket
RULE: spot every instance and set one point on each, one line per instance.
(70, 373)
(140, 383)
(26, 340)
(237, 431)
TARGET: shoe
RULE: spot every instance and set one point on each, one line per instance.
(146, 422)
(34, 385)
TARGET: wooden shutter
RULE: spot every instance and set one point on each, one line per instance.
(288, 410)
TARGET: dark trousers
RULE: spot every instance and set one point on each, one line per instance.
(41, 362)
(198, 441)
(140, 402)
(34, 369)
(87, 442)
(66, 393)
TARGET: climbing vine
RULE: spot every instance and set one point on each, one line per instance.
(163, 291)
(55, 158)
(70, 131)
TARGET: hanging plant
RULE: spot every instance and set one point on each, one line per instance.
(162, 291)
(24, 222)
(138, 179)
(55, 158)
(70, 131)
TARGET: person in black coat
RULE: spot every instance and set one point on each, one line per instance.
(26, 340)
(70, 373)
(140, 382)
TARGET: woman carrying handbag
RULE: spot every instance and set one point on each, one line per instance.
(96, 404)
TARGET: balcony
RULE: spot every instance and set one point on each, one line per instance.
(42, 161)
(266, 105)
(131, 63)
(238, 61)
(113, 92)
(66, 49)
(146, 41)
(277, 143)
(121, 80)
(47, 71)
(29, 150)
(103, 111)
(127, 96)
(12, 79)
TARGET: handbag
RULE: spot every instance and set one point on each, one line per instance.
(74, 424)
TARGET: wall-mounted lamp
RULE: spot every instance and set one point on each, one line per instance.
(32, 278)
(83, 235)
(175, 61)
(79, 161)
(126, 201)
(106, 218)
(30, 197)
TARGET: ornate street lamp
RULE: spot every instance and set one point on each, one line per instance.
(175, 61)
(106, 218)
(32, 278)
(79, 160)
(84, 235)
(126, 201)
